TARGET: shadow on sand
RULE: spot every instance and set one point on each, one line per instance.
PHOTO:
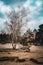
(6, 50)
(16, 59)
(36, 61)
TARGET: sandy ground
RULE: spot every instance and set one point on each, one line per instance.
(36, 52)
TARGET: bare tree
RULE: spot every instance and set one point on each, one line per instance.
(17, 21)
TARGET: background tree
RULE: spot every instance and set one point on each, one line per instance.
(39, 35)
(29, 31)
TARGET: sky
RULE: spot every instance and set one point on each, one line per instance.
(34, 8)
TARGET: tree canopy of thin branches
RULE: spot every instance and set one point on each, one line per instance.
(17, 21)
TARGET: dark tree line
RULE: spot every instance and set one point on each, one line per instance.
(39, 35)
(38, 40)
(5, 38)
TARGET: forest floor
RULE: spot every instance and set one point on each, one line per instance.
(8, 56)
